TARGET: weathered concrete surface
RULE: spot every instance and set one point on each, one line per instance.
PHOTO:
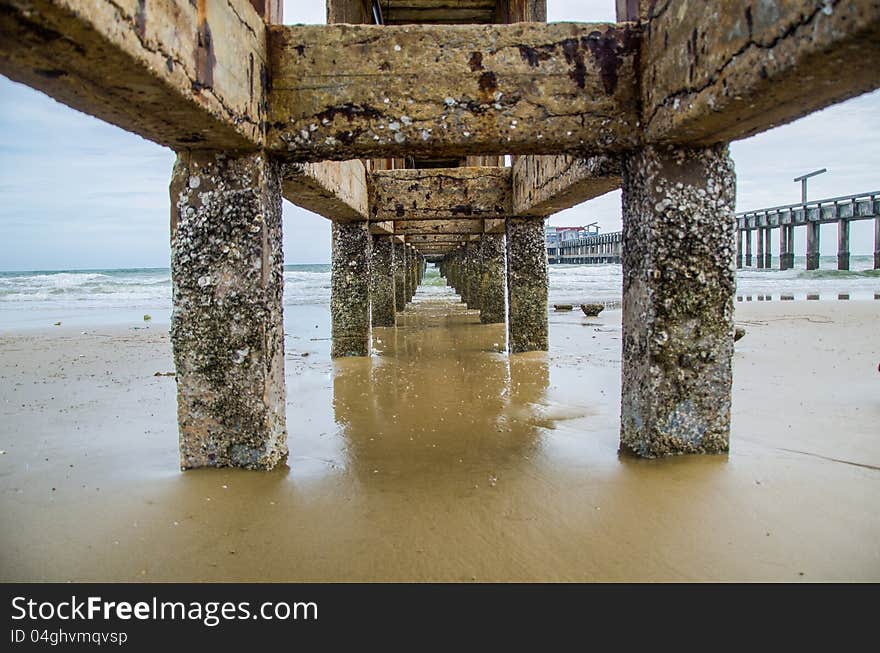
(398, 265)
(382, 282)
(189, 75)
(768, 251)
(473, 273)
(334, 189)
(526, 285)
(345, 91)
(425, 227)
(226, 325)
(440, 193)
(843, 245)
(492, 278)
(716, 71)
(760, 244)
(678, 287)
(350, 293)
(814, 230)
(543, 185)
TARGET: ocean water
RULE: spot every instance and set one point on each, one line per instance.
(41, 298)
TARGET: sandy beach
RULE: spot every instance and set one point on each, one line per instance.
(440, 458)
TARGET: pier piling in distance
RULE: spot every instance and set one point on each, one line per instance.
(350, 292)
(492, 278)
(526, 285)
(382, 310)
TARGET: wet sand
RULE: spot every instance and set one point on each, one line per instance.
(442, 459)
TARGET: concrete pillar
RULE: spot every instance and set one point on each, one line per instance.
(748, 235)
(382, 282)
(739, 248)
(768, 243)
(398, 263)
(843, 245)
(788, 262)
(783, 240)
(475, 273)
(678, 289)
(350, 289)
(492, 279)
(226, 327)
(813, 245)
(877, 243)
(761, 247)
(526, 285)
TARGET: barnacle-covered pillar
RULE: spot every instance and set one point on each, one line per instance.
(226, 325)
(678, 287)
(382, 281)
(398, 264)
(492, 278)
(350, 293)
(526, 285)
(472, 261)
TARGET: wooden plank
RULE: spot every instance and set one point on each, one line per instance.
(717, 70)
(543, 185)
(333, 189)
(439, 193)
(187, 75)
(348, 91)
(438, 227)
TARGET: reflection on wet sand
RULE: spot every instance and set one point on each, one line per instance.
(439, 394)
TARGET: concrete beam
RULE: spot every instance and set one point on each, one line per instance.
(334, 189)
(189, 75)
(438, 227)
(439, 193)
(716, 71)
(493, 226)
(345, 91)
(418, 239)
(382, 228)
(543, 185)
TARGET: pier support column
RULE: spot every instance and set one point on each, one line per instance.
(475, 273)
(843, 245)
(526, 285)
(783, 240)
(226, 326)
(768, 253)
(739, 249)
(789, 247)
(382, 281)
(761, 247)
(813, 245)
(877, 243)
(678, 288)
(492, 279)
(748, 236)
(350, 291)
(398, 263)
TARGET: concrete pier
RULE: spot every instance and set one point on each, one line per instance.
(739, 248)
(877, 243)
(526, 285)
(492, 278)
(382, 308)
(226, 325)
(474, 274)
(677, 310)
(350, 289)
(768, 251)
(813, 232)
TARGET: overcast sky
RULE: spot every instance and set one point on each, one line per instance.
(78, 193)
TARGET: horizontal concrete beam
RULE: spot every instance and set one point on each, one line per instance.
(333, 189)
(494, 226)
(183, 74)
(351, 91)
(715, 70)
(438, 227)
(543, 185)
(382, 228)
(439, 193)
(420, 239)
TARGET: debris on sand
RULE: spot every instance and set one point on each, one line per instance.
(592, 310)
(562, 307)
(738, 333)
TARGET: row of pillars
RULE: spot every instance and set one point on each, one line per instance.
(227, 276)
(373, 277)
(764, 257)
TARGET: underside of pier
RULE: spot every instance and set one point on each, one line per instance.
(394, 121)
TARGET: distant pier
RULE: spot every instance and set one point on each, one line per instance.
(811, 215)
(593, 248)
